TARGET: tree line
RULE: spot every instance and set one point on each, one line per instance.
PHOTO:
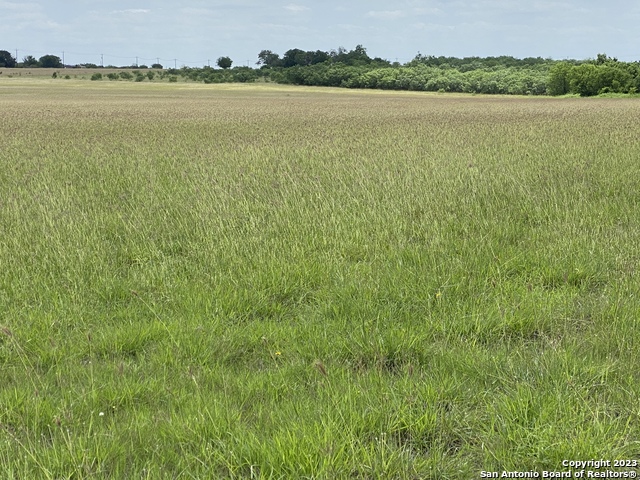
(356, 69)
(46, 61)
(492, 75)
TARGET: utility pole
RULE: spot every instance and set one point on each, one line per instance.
(175, 65)
(136, 62)
(102, 60)
(63, 66)
(16, 54)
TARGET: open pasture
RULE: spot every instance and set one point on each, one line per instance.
(273, 282)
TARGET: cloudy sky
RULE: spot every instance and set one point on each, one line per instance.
(193, 32)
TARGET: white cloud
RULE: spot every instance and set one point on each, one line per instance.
(15, 6)
(132, 11)
(198, 12)
(296, 8)
(427, 11)
(24, 16)
(432, 27)
(386, 14)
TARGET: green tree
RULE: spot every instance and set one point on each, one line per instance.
(6, 60)
(50, 61)
(294, 57)
(224, 62)
(614, 78)
(585, 80)
(268, 59)
(29, 61)
(559, 79)
(319, 57)
(591, 79)
(358, 55)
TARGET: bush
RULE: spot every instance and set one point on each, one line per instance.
(173, 79)
(126, 76)
(96, 76)
(112, 76)
(244, 75)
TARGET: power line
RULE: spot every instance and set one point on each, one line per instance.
(109, 58)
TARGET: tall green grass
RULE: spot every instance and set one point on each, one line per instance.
(270, 282)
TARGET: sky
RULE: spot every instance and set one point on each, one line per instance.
(197, 32)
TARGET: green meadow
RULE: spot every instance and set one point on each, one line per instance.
(226, 281)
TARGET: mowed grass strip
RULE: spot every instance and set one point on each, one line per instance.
(278, 282)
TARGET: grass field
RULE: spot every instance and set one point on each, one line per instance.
(274, 282)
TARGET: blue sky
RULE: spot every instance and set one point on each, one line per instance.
(194, 32)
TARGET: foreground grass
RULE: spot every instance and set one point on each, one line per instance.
(271, 282)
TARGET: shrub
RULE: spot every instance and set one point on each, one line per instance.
(95, 76)
(244, 75)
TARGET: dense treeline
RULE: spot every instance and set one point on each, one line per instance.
(46, 61)
(496, 75)
(603, 75)
(355, 69)
(419, 77)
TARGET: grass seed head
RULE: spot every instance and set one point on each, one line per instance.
(321, 368)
